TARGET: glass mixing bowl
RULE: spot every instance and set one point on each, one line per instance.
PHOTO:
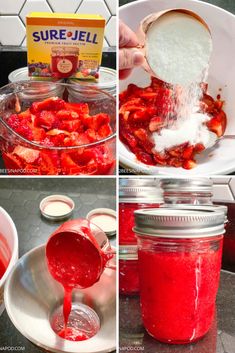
(23, 156)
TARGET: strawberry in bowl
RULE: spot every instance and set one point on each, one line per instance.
(144, 114)
(52, 136)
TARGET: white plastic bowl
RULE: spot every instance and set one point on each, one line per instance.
(220, 159)
(9, 232)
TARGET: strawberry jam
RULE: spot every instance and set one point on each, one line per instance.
(179, 268)
(128, 277)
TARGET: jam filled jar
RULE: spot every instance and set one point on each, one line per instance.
(128, 270)
(193, 191)
(179, 254)
(134, 194)
(64, 61)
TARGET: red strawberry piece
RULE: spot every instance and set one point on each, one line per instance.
(80, 108)
(68, 166)
(216, 126)
(13, 164)
(92, 135)
(28, 155)
(53, 103)
(96, 121)
(144, 157)
(189, 164)
(174, 162)
(49, 163)
(67, 114)
(156, 123)
(105, 131)
(46, 119)
(39, 134)
(187, 153)
(128, 138)
(199, 147)
(70, 125)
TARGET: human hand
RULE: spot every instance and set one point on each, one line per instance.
(129, 55)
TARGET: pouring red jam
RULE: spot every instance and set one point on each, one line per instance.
(76, 260)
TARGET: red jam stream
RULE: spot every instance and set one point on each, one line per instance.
(75, 260)
(178, 291)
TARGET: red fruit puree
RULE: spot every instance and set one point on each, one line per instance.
(5, 255)
(126, 221)
(75, 260)
(178, 291)
(128, 277)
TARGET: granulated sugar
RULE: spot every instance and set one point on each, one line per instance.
(178, 48)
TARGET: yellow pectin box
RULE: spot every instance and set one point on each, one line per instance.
(64, 45)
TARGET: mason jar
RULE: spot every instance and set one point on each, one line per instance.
(193, 191)
(128, 270)
(134, 194)
(179, 254)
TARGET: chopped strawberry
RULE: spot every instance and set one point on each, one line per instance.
(215, 126)
(70, 125)
(156, 123)
(80, 108)
(105, 131)
(199, 147)
(188, 152)
(39, 134)
(47, 120)
(189, 164)
(67, 114)
(53, 103)
(28, 155)
(13, 164)
(144, 157)
(96, 121)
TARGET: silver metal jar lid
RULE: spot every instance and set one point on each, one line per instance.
(107, 80)
(128, 252)
(21, 74)
(133, 190)
(56, 207)
(210, 208)
(187, 185)
(98, 216)
(179, 223)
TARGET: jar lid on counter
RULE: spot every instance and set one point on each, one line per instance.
(21, 74)
(128, 252)
(139, 190)
(179, 223)
(107, 80)
(56, 207)
(105, 219)
(187, 185)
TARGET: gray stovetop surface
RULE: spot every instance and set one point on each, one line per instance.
(21, 198)
(220, 339)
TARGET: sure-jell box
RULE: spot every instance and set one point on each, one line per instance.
(64, 45)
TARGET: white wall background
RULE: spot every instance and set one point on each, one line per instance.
(13, 13)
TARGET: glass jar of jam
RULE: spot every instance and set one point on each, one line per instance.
(193, 191)
(134, 194)
(228, 260)
(64, 61)
(179, 254)
(128, 270)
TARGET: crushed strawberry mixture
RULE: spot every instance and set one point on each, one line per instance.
(143, 111)
(56, 123)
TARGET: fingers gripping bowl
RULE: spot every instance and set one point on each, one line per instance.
(57, 129)
(213, 160)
